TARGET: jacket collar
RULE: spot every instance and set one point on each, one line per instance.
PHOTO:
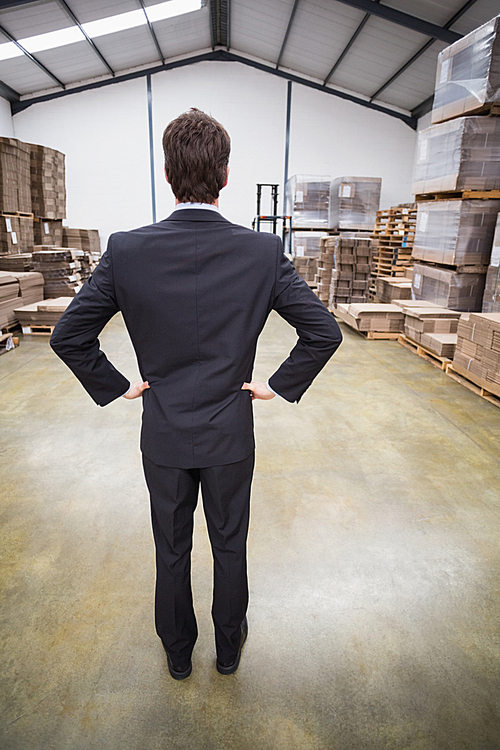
(195, 214)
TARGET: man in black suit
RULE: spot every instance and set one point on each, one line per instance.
(195, 292)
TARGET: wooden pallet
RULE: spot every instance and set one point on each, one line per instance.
(17, 214)
(459, 195)
(456, 269)
(422, 351)
(458, 377)
(38, 330)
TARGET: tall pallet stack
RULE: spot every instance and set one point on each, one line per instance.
(48, 186)
(394, 234)
(457, 175)
(16, 219)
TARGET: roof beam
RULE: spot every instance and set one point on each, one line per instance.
(421, 109)
(423, 49)
(404, 19)
(32, 57)
(219, 28)
(9, 93)
(223, 56)
(152, 33)
(287, 33)
(348, 46)
(75, 20)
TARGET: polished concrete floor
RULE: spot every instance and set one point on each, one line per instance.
(374, 564)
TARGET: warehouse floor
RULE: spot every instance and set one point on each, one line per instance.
(374, 564)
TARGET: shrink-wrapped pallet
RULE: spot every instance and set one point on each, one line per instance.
(462, 154)
(468, 74)
(308, 198)
(354, 202)
(447, 288)
(455, 232)
(16, 234)
(307, 243)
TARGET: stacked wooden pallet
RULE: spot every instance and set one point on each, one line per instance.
(394, 234)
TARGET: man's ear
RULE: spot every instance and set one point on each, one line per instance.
(227, 177)
(166, 176)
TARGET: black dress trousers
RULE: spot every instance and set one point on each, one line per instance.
(226, 502)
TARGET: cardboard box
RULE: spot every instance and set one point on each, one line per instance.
(307, 198)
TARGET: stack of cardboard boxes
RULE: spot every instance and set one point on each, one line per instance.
(491, 298)
(347, 275)
(48, 187)
(17, 289)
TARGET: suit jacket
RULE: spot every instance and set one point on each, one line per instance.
(195, 291)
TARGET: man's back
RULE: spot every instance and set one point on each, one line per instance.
(195, 292)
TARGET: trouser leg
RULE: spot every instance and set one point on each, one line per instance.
(174, 494)
(226, 501)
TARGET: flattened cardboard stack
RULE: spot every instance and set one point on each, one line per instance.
(48, 186)
(477, 356)
(468, 74)
(45, 313)
(433, 327)
(354, 202)
(394, 233)
(349, 257)
(87, 240)
(308, 198)
(9, 299)
(16, 234)
(307, 268)
(17, 289)
(48, 232)
(60, 267)
(462, 154)
(15, 194)
(22, 262)
(491, 298)
(370, 317)
(388, 289)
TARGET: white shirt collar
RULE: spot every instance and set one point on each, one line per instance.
(197, 205)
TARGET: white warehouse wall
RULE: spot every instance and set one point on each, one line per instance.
(6, 124)
(104, 134)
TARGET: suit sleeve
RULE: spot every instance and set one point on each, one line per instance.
(75, 337)
(318, 332)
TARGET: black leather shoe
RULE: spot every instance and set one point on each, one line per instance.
(179, 673)
(224, 668)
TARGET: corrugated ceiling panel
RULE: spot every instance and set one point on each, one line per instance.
(364, 68)
(319, 34)
(433, 11)
(416, 83)
(480, 13)
(259, 28)
(24, 76)
(183, 34)
(33, 19)
(127, 49)
(76, 62)
(91, 10)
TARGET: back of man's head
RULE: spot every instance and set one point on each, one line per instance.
(196, 149)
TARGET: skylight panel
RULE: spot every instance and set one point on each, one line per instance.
(100, 27)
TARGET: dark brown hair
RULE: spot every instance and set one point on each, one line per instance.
(196, 149)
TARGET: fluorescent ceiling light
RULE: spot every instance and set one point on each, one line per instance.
(100, 27)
